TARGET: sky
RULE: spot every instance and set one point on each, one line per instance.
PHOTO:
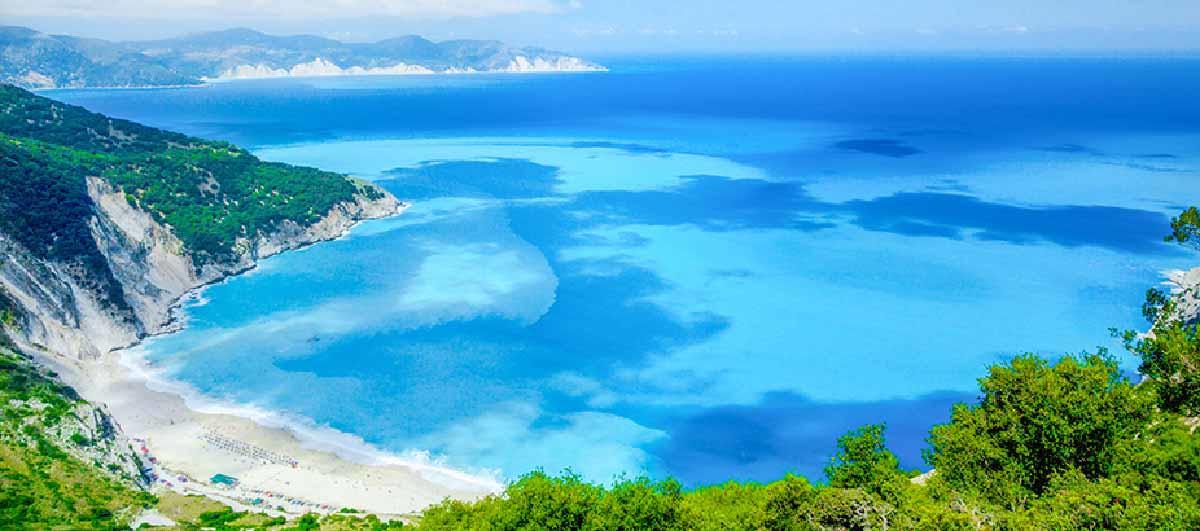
(667, 26)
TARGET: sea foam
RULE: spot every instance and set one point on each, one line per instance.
(311, 435)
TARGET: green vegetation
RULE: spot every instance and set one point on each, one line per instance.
(197, 512)
(1170, 358)
(10, 317)
(1185, 228)
(1068, 444)
(1019, 459)
(213, 196)
(211, 193)
(41, 486)
(1035, 422)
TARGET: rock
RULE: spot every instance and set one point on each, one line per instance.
(1186, 293)
(151, 266)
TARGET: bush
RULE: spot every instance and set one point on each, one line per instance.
(1034, 422)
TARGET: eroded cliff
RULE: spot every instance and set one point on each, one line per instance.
(58, 314)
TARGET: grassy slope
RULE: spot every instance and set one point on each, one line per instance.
(40, 484)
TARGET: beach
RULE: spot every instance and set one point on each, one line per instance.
(249, 458)
(273, 469)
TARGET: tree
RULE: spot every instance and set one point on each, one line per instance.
(1185, 228)
(1035, 421)
(1171, 363)
(863, 461)
(1170, 353)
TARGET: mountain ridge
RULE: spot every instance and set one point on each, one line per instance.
(36, 60)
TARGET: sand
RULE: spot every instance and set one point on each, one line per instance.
(299, 476)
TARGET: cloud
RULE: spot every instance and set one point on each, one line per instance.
(282, 8)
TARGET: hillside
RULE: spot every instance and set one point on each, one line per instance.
(104, 222)
(36, 60)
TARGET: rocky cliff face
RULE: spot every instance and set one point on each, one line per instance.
(1186, 294)
(59, 315)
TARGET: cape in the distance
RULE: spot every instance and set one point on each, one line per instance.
(38, 60)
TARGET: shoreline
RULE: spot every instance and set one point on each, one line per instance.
(289, 466)
(184, 445)
(209, 82)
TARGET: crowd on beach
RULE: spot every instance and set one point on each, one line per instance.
(247, 450)
(235, 490)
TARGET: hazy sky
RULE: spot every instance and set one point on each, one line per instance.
(656, 25)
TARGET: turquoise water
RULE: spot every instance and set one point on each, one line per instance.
(705, 268)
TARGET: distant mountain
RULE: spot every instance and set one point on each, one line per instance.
(32, 59)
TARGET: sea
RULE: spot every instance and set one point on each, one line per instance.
(705, 268)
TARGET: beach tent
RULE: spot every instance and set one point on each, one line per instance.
(222, 479)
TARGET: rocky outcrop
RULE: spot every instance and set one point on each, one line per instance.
(151, 265)
(1186, 294)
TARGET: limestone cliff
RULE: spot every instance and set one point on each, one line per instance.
(1186, 294)
(57, 313)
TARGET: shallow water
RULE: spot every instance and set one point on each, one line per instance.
(706, 268)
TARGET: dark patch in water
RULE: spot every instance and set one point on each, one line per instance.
(712, 202)
(1068, 148)
(948, 185)
(1144, 167)
(623, 146)
(788, 432)
(720, 204)
(593, 291)
(878, 146)
(1156, 156)
(948, 215)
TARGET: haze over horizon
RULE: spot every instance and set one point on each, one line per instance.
(627, 26)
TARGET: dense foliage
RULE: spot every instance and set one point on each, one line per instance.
(1035, 422)
(1170, 356)
(44, 205)
(1185, 228)
(41, 486)
(212, 194)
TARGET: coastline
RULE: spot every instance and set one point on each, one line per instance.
(208, 82)
(283, 466)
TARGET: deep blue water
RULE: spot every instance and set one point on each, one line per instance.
(701, 267)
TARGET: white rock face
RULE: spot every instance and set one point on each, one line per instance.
(522, 64)
(320, 67)
(1186, 292)
(152, 267)
(34, 78)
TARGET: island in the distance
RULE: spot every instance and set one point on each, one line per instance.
(37, 60)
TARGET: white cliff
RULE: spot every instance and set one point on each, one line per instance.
(151, 266)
